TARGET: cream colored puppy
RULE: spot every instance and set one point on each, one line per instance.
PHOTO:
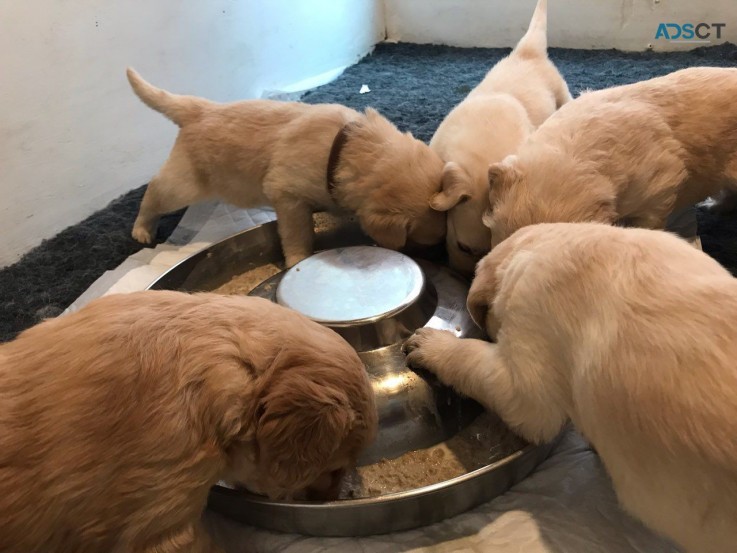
(515, 97)
(631, 154)
(116, 420)
(631, 334)
(298, 158)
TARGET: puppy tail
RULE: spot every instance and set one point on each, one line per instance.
(180, 109)
(535, 41)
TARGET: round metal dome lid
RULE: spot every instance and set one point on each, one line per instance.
(354, 285)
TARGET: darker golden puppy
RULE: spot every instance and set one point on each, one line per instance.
(115, 421)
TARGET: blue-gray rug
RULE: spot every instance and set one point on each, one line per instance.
(413, 85)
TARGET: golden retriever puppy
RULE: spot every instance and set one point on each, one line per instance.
(116, 420)
(631, 334)
(298, 158)
(632, 154)
(515, 97)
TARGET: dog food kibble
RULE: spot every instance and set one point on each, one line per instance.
(324, 221)
(245, 282)
(484, 441)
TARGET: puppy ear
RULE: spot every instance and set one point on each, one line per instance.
(388, 231)
(485, 286)
(231, 424)
(456, 188)
(300, 425)
(497, 172)
(481, 299)
(502, 173)
(229, 401)
(487, 219)
(478, 306)
(482, 291)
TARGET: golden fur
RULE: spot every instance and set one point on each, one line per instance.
(631, 154)
(631, 334)
(264, 152)
(116, 420)
(517, 95)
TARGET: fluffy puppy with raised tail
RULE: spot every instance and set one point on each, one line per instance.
(116, 420)
(515, 97)
(631, 155)
(298, 158)
(632, 335)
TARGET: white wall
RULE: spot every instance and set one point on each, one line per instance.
(621, 24)
(72, 134)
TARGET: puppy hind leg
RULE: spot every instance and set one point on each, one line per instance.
(294, 223)
(174, 187)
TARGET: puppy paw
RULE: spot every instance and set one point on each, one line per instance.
(430, 349)
(142, 235)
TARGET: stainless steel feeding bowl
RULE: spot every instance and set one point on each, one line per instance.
(374, 298)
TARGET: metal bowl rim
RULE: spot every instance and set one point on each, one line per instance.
(391, 497)
(377, 318)
(337, 324)
(205, 249)
(407, 304)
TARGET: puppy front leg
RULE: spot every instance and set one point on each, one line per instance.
(476, 369)
(294, 221)
(459, 363)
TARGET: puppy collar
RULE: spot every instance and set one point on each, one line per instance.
(338, 142)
